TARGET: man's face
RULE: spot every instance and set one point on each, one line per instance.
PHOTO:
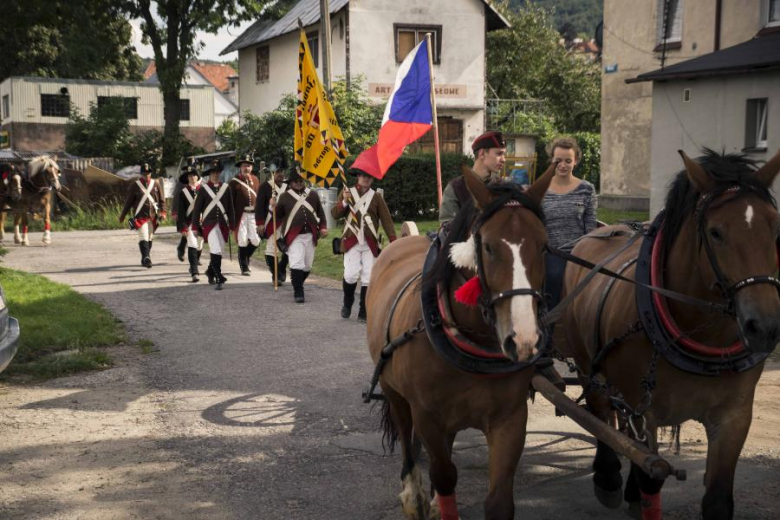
(192, 179)
(493, 159)
(297, 184)
(278, 176)
(214, 176)
(245, 169)
(365, 181)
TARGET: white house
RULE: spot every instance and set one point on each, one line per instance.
(369, 39)
(220, 76)
(35, 110)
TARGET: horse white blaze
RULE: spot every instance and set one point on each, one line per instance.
(523, 315)
(749, 215)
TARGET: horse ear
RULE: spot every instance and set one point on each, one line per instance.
(698, 176)
(540, 187)
(767, 173)
(478, 189)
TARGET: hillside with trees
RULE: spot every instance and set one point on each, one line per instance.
(581, 15)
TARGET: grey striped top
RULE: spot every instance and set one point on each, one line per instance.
(570, 215)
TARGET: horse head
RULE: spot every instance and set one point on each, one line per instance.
(505, 243)
(48, 167)
(736, 226)
(15, 186)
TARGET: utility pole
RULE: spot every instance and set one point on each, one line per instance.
(325, 39)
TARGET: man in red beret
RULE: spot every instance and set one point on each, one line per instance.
(489, 156)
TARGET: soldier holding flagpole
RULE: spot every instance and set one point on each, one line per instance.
(265, 218)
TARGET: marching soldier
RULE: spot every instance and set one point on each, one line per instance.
(146, 199)
(266, 197)
(182, 247)
(213, 218)
(185, 205)
(363, 209)
(301, 221)
(243, 190)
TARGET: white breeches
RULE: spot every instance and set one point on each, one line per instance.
(146, 232)
(247, 231)
(270, 245)
(301, 252)
(358, 263)
(194, 241)
(216, 241)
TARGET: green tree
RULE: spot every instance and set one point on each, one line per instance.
(102, 133)
(582, 15)
(358, 117)
(170, 27)
(83, 39)
(540, 68)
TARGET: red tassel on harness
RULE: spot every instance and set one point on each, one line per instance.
(469, 292)
(651, 507)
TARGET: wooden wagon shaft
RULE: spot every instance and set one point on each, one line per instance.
(636, 452)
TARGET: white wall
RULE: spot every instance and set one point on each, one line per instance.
(714, 118)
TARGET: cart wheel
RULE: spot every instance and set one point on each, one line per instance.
(409, 229)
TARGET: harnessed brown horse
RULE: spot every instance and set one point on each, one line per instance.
(500, 237)
(703, 345)
(35, 194)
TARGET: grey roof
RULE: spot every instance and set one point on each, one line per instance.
(761, 54)
(309, 13)
(35, 79)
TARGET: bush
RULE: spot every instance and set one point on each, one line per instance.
(410, 185)
(590, 164)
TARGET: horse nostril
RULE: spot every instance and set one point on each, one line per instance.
(509, 347)
(752, 327)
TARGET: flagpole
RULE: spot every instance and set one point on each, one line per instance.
(325, 39)
(435, 119)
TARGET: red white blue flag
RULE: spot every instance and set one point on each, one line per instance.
(408, 114)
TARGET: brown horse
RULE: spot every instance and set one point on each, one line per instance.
(36, 196)
(501, 237)
(668, 359)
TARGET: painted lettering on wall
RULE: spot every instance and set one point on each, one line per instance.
(444, 91)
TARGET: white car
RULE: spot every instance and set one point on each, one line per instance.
(9, 334)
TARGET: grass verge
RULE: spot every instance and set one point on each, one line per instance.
(62, 332)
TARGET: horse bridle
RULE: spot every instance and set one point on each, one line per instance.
(487, 302)
(728, 291)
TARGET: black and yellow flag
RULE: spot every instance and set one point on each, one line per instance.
(319, 143)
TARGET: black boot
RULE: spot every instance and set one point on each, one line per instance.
(146, 247)
(249, 250)
(349, 298)
(210, 274)
(269, 261)
(283, 268)
(297, 277)
(192, 256)
(362, 311)
(242, 261)
(216, 266)
(181, 247)
(200, 252)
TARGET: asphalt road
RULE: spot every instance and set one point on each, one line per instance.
(257, 412)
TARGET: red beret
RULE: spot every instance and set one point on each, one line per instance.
(489, 140)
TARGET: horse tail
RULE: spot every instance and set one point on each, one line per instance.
(389, 431)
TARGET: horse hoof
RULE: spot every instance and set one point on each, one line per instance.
(609, 499)
(634, 510)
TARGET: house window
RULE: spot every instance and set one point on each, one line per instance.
(184, 110)
(262, 57)
(774, 13)
(450, 138)
(314, 47)
(756, 123)
(6, 107)
(55, 105)
(130, 104)
(408, 36)
(672, 11)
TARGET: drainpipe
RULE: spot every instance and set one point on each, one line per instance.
(346, 44)
(718, 8)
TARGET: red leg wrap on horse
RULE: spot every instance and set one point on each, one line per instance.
(651, 507)
(448, 506)
(24, 230)
(47, 227)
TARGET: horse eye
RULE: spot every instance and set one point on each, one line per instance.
(715, 234)
(488, 249)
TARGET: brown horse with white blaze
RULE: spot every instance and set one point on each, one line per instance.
(35, 195)
(500, 238)
(694, 355)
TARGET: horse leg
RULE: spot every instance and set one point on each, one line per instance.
(726, 436)
(443, 473)
(2, 223)
(435, 513)
(47, 224)
(413, 501)
(25, 238)
(607, 480)
(506, 441)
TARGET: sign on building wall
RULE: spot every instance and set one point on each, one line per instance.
(444, 91)
(5, 142)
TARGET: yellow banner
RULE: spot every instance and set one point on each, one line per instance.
(319, 143)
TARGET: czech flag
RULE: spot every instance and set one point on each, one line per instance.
(408, 114)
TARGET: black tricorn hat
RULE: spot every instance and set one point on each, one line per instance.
(357, 171)
(214, 165)
(294, 175)
(147, 166)
(246, 158)
(188, 170)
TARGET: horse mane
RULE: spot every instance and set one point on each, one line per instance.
(460, 227)
(727, 171)
(39, 164)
